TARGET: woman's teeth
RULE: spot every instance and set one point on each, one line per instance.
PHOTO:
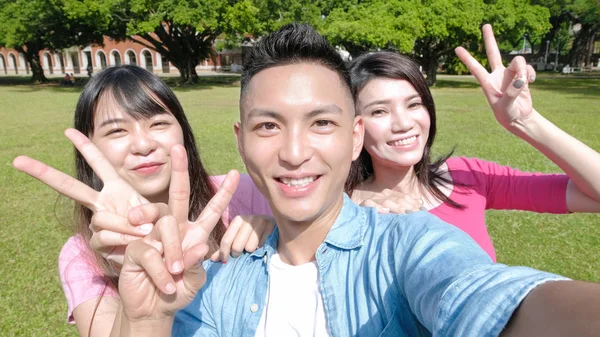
(406, 141)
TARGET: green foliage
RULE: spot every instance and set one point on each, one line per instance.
(182, 31)
(454, 66)
(32, 25)
(514, 18)
(277, 13)
(376, 24)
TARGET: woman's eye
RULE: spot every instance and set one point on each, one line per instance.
(160, 123)
(377, 112)
(415, 105)
(114, 131)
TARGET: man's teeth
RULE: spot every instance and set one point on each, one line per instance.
(298, 182)
(406, 141)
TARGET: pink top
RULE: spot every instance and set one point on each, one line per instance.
(82, 279)
(492, 186)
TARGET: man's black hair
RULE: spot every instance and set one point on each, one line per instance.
(293, 43)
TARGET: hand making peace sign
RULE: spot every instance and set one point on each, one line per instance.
(161, 273)
(506, 89)
(110, 205)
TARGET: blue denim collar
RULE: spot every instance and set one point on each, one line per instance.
(347, 232)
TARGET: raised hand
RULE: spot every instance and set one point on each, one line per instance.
(506, 89)
(245, 233)
(111, 230)
(393, 201)
(161, 273)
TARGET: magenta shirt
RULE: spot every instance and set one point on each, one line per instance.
(492, 186)
(82, 279)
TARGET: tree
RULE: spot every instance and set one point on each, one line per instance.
(181, 31)
(447, 24)
(585, 14)
(30, 26)
(378, 24)
(514, 19)
(274, 14)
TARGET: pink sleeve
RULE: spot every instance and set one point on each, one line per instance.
(247, 199)
(508, 188)
(80, 276)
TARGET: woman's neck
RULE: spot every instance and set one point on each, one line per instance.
(395, 178)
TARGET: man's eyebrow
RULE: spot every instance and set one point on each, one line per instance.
(387, 101)
(331, 108)
(257, 112)
(112, 121)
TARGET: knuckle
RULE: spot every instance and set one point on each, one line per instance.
(173, 247)
(149, 253)
(226, 241)
(66, 184)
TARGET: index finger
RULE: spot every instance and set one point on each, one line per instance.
(474, 67)
(179, 189)
(58, 181)
(216, 206)
(491, 47)
(92, 155)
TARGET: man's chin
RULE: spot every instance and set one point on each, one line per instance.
(292, 213)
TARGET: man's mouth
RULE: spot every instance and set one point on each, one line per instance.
(297, 182)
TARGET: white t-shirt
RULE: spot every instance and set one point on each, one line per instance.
(294, 303)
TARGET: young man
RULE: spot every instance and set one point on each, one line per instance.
(331, 267)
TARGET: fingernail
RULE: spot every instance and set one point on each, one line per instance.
(384, 210)
(177, 267)
(422, 208)
(518, 84)
(145, 229)
(170, 288)
(532, 78)
(408, 211)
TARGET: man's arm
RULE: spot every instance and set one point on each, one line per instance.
(561, 308)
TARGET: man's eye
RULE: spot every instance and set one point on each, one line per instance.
(323, 122)
(267, 126)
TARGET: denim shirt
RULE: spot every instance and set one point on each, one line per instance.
(380, 275)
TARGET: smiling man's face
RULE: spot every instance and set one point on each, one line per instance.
(298, 136)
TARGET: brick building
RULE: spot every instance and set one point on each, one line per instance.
(76, 60)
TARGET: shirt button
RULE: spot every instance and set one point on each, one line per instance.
(254, 307)
(265, 258)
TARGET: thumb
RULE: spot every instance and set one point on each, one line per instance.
(518, 69)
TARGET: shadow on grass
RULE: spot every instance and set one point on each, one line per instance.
(584, 86)
(456, 83)
(25, 85)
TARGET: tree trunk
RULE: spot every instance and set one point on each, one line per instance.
(590, 50)
(36, 69)
(32, 57)
(431, 66)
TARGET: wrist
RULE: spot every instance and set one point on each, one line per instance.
(529, 128)
(146, 327)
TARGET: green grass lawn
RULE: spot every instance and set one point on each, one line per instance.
(35, 223)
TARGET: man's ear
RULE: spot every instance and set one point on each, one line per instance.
(358, 135)
(237, 128)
